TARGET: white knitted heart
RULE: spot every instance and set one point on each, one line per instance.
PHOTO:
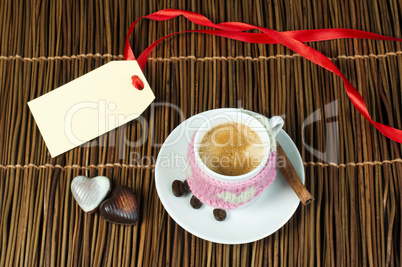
(237, 198)
(89, 192)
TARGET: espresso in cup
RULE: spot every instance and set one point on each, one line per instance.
(232, 157)
(231, 149)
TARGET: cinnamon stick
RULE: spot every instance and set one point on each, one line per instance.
(289, 173)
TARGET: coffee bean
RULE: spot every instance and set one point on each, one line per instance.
(178, 188)
(195, 202)
(219, 214)
(186, 187)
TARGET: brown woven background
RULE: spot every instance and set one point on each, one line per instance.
(356, 217)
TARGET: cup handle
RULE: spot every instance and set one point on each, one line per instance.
(276, 124)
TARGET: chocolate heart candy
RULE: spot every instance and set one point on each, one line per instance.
(89, 192)
(121, 207)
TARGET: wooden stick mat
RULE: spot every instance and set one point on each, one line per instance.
(353, 172)
(120, 165)
(121, 57)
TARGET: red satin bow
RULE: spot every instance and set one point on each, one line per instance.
(291, 39)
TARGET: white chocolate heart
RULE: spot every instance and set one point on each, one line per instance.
(89, 192)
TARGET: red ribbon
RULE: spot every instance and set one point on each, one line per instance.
(291, 39)
(137, 83)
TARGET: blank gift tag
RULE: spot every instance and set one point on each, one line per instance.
(90, 106)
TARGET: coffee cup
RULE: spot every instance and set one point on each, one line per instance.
(255, 137)
(229, 119)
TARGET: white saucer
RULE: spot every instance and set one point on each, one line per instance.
(258, 219)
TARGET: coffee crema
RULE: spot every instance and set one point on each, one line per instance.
(231, 149)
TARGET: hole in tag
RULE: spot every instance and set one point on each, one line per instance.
(137, 83)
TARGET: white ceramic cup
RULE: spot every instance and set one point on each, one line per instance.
(255, 122)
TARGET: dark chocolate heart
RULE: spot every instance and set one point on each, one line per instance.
(121, 207)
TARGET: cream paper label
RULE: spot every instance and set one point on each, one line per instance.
(90, 106)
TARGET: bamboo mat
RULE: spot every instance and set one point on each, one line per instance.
(356, 217)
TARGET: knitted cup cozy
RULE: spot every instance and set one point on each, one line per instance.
(229, 195)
